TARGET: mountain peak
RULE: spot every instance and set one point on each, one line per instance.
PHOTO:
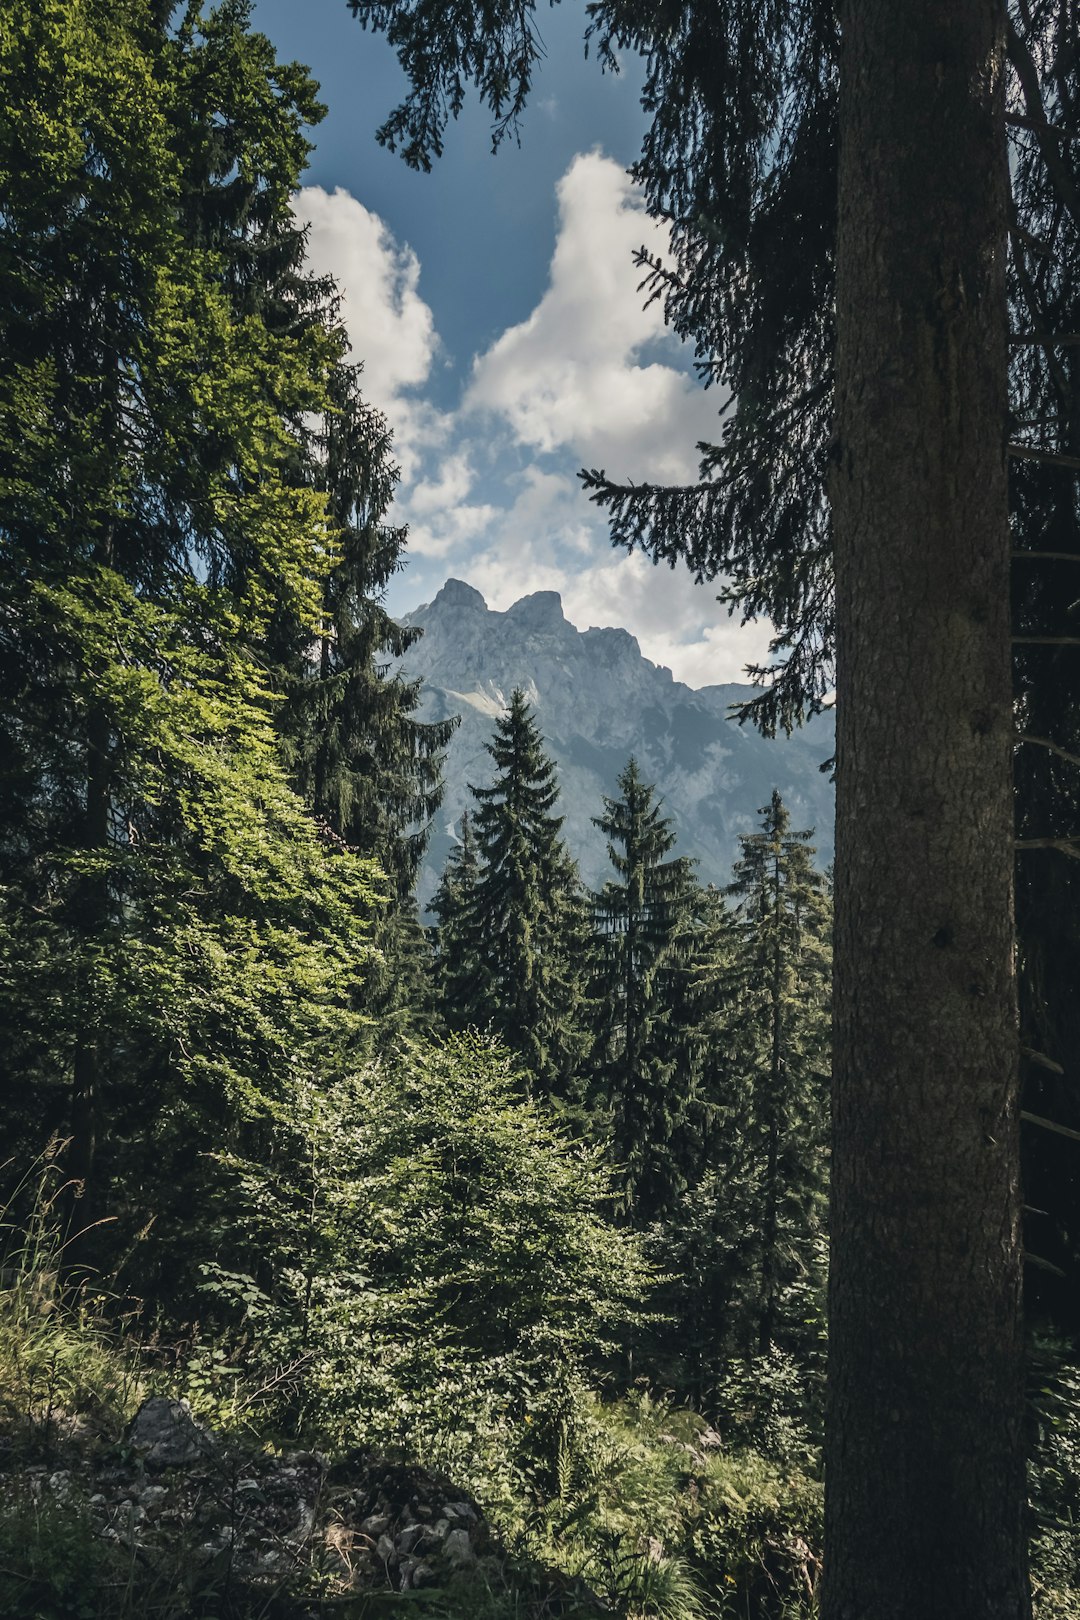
(456, 593)
(541, 610)
(597, 701)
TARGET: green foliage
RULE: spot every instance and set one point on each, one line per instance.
(423, 1259)
(370, 770)
(1054, 1481)
(768, 1180)
(772, 1404)
(744, 1245)
(759, 1535)
(156, 522)
(213, 799)
(59, 1353)
(515, 942)
(662, 1521)
(230, 933)
(458, 958)
(52, 1566)
(647, 1029)
(367, 765)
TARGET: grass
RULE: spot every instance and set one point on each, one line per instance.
(65, 1362)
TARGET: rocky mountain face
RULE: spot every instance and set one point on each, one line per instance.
(598, 700)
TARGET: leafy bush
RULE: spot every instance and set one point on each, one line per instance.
(51, 1563)
(424, 1263)
(757, 1536)
(772, 1405)
(665, 1525)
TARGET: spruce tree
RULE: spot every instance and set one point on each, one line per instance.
(777, 1029)
(459, 975)
(745, 1245)
(528, 912)
(371, 770)
(198, 932)
(644, 1047)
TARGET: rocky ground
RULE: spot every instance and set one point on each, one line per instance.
(176, 1495)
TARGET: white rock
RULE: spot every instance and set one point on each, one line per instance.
(459, 1549)
(410, 1536)
(166, 1434)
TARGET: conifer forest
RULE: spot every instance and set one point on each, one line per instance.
(681, 1247)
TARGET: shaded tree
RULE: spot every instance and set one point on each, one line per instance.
(197, 930)
(643, 1055)
(459, 974)
(528, 914)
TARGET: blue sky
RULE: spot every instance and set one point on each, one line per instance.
(494, 303)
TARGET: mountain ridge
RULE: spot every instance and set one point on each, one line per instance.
(598, 699)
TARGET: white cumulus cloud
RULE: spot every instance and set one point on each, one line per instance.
(581, 372)
(390, 327)
(489, 490)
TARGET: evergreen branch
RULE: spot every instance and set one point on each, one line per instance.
(1022, 121)
(1050, 556)
(1045, 339)
(1041, 1264)
(1050, 1125)
(1052, 458)
(1041, 1059)
(1036, 315)
(1051, 747)
(1067, 846)
(1046, 641)
(1035, 243)
(1061, 176)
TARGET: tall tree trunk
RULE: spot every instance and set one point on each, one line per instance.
(924, 1463)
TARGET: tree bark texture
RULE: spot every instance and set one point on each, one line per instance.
(924, 1459)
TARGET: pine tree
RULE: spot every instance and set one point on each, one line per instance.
(459, 974)
(529, 914)
(643, 1052)
(777, 1041)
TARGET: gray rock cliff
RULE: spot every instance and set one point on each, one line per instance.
(599, 700)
